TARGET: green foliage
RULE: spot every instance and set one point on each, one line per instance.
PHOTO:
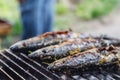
(9, 10)
(61, 9)
(95, 8)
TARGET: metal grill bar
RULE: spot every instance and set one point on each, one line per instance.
(23, 63)
(19, 66)
(4, 72)
(78, 77)
(26, 63)
(97, 75)
(107, 75)
(116, 76)
(86, 76)
(12, 69)
(91, 77)
(44, 70)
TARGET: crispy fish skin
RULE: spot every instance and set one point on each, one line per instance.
(91, 57)
(107, 40)
(49, 38)
(67, 48)
(46, 39)
(31, 46)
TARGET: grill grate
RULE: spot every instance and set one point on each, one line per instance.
(18, 66)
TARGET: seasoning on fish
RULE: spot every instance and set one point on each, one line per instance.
(96, 56)
(49, 38)
(70, 47)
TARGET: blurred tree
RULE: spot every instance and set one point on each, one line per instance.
(9, 10)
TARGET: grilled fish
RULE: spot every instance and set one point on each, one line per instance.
(49, 38)
(70, 47)
(96, 56)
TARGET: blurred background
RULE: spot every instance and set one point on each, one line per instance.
(85, 16)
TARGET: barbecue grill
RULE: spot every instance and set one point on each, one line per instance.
(18, 66)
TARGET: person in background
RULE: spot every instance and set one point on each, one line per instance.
(37, 17)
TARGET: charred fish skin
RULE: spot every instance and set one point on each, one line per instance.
(65, 49)
(70, 61)
(107, 40)
(33, 46)
(110, 42)
(40, 41)
(49, 38)
(90, 57)
(23, 43)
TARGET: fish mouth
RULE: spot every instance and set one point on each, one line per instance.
(14, 48)
(34, 54)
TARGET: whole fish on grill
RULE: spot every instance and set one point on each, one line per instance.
(49, 38)
(70, 47)
(95, 57)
